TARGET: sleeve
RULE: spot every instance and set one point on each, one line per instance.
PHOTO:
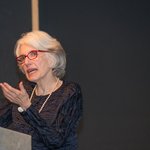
(5, 113)
(68, 117)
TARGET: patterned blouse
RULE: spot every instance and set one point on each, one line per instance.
(54, 128)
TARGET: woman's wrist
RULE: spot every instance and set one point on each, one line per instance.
(20, 109)
(24, 107)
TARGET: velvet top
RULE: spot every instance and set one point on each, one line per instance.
(54, 128)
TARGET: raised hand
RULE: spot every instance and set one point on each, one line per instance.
(17, 96)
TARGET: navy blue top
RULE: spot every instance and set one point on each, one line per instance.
(54, 128)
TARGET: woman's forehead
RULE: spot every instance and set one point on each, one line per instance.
(24, 49)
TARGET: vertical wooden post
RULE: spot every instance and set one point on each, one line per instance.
(35, 14)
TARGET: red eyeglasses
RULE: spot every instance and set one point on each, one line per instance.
(31, 55)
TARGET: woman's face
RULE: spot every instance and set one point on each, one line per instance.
(37, 69)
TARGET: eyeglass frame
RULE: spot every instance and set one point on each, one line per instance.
(20, 63)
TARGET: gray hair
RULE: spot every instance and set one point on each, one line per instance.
(43, 41)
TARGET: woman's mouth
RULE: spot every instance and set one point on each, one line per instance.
(32, 70)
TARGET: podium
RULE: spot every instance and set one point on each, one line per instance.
(12, 140)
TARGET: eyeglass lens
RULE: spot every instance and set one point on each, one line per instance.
(31, 55)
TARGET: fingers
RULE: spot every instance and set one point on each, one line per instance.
(5, 91)
(6, 87)
(18, 96)
(9, 92)
(21, 87)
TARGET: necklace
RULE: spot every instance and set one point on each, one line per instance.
(47, 96)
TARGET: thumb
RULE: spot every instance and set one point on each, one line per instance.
(21, 87)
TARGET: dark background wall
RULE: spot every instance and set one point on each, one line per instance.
(107, 45)
(15, 18)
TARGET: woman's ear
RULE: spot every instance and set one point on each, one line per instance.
(52, 61)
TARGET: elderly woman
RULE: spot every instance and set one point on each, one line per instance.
(46, 107)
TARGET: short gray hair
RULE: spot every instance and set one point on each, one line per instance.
(43, 41)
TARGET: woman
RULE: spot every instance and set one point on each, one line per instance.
(46, 107)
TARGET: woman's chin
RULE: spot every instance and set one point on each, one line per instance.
(32, 78)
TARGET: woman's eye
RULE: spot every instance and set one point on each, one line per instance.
(33, 54)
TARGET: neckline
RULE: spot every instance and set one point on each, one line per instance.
(47, 97)
(58, 89)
